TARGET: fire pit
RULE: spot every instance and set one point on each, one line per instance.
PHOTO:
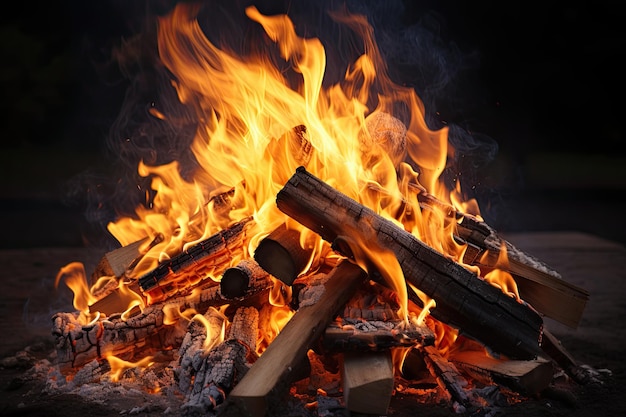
(311, 258)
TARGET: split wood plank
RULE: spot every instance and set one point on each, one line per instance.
(273, 371)
(368, 379)
(538, 284)
(526, 377)
(463, 299)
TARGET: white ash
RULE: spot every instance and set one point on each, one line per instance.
(312, 293)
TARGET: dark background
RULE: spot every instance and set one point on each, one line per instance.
(539, 83)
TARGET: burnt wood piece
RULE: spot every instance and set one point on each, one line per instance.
(281, 254)
(447, 375)
(367, 381)
(244, 279)
(76, 344)
(207, 258)
(464, 300)
(373, 335)
(538, 284)
(224, 365)
(526, 377)
(201, 336)
(553, 348)
(273, 372)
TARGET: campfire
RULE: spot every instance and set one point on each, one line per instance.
(313, 254)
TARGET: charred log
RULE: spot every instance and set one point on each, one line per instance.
(463, 299)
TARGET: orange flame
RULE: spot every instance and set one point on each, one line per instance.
(364, 135)
(118, 366)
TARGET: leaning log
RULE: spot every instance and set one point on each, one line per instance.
(272, 373)
(464, 300)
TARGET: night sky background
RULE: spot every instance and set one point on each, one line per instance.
(540, 84)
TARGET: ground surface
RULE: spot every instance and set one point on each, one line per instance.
(593, 263)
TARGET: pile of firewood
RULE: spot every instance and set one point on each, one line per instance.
(219, 365)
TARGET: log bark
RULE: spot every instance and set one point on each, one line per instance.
(463, 299)
(272, 373)
(367, 381)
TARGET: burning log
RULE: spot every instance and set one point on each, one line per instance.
(281, 254)
(447, 375)
(373, 335)
(207, 258)
(273, 371)
(538, 284)
(526, 377)
(463, 299)
(368, 380)
(244, 279)
(77, 343)
(199, 337)
(225, 364)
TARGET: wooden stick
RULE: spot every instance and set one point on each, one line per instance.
(272, 372)
(367, 381)
(463, 300)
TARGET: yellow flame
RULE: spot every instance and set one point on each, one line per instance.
(361, 133)
(500, 277)
(118, 366)
(75, 278)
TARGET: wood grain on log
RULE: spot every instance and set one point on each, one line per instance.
(273, 371)
(463, 299)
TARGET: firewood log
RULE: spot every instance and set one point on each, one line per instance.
(464, 300)
(205, 259)
(77, 344)
(281, 254)
(447, 375)
(373, 335)
(200, 337)
(526, 377)
(223, 366)
(368, 379)
(272, 373)
(538, 284)
(244, 279)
